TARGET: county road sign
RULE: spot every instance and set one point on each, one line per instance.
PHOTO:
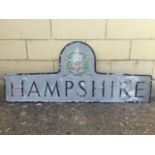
(77, 81)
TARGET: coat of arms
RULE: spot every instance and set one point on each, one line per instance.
(77, 62)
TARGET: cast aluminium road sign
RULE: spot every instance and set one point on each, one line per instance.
(77, 81)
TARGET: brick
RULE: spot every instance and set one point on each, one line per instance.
(11, 49)
(153, 89)
(45, 49)
(103, 66)
(144, 67)
(130, 29)
(1, 90)
(78, 29)
(56, 66)
(127, 67)
(111, 50)
(1, 77)
(153, 72)
(24, 29)
(25, 67)
(143, 50)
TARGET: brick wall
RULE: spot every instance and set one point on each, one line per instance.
(121, 46)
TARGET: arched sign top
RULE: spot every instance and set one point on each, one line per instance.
(77, 58)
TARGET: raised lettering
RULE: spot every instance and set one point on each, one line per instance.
(36, 91)
(21, 88)
(138, 89)
(69, 85)
(81, 85)
(122, 89)
(51, 90)
(112, 89)
(93, 88)
(103, 89)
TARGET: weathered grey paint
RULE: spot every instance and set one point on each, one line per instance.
(77, 82)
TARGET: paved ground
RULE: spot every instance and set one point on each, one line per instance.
(77, 118)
